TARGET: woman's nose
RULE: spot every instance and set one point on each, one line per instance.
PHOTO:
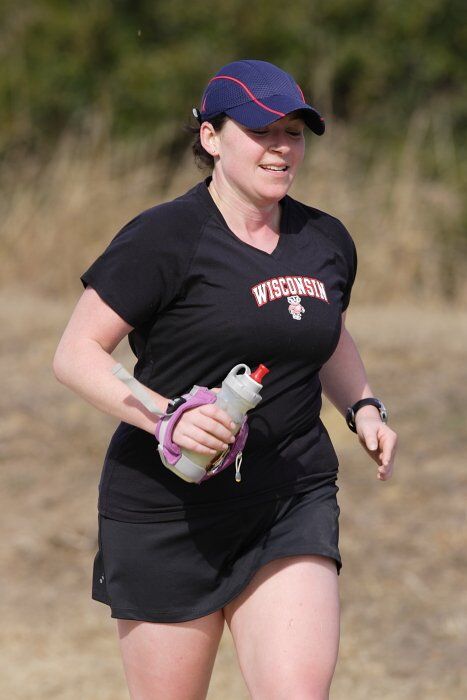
(279, 145)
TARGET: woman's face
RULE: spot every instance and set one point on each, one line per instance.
(259, 165)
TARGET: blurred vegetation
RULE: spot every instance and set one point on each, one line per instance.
(106, 72)
(145, 62)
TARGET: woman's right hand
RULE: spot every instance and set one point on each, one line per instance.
(206, 429)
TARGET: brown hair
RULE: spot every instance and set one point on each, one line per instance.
(203, 159)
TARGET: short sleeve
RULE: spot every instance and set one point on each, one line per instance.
(346, 255)
(350, 255)
(144, 267)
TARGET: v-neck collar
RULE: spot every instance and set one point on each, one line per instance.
(283, 224)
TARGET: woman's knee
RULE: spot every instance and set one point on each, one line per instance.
(308, 678)
(305, 684)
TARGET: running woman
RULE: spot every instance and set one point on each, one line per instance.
(233, 271)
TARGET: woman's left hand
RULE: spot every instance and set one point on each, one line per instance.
(378, 440)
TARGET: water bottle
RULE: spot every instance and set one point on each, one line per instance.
(240, 392)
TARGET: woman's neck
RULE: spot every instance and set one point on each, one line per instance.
(243, 217)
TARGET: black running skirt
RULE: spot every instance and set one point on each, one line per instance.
(181, 570)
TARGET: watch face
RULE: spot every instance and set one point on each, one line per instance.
(382, 410)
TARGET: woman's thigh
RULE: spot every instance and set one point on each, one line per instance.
(169, 661)
(285, 626)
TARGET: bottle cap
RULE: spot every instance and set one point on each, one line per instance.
(259, 373)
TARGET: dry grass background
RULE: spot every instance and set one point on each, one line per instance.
(404, 599)
(57, 215)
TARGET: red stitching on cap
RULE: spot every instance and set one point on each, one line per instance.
(300, 91)
(249, 93)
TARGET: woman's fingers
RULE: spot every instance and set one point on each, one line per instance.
(213, 427)
(206, 438)
(206, 429)
(197, 444)
(380, 442)
(217, 414)
(387, 439)
(368, 436)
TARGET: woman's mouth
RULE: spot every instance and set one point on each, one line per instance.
(274, 168)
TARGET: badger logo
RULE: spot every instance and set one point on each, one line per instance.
(295, 308)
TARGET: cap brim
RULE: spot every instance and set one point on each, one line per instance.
(254, 116)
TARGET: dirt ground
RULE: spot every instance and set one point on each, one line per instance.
(403, 543)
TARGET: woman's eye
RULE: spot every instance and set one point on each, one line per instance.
(264, 132)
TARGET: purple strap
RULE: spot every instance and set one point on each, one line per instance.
(201, 397)
(172, 452)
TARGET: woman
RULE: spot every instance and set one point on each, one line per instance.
(232, 271)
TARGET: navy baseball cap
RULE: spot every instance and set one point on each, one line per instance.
(255, 94)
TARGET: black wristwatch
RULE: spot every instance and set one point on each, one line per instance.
(174, 404)
(352, 410)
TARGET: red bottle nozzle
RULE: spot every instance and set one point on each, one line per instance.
(259, 373)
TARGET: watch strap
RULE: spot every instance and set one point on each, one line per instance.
(352, 410)
(174, 404)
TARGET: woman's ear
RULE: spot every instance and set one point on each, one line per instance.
(208, 138)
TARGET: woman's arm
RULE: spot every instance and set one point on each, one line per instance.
(344, 382)
(83, 362)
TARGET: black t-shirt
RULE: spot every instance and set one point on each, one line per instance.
(201, 301)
